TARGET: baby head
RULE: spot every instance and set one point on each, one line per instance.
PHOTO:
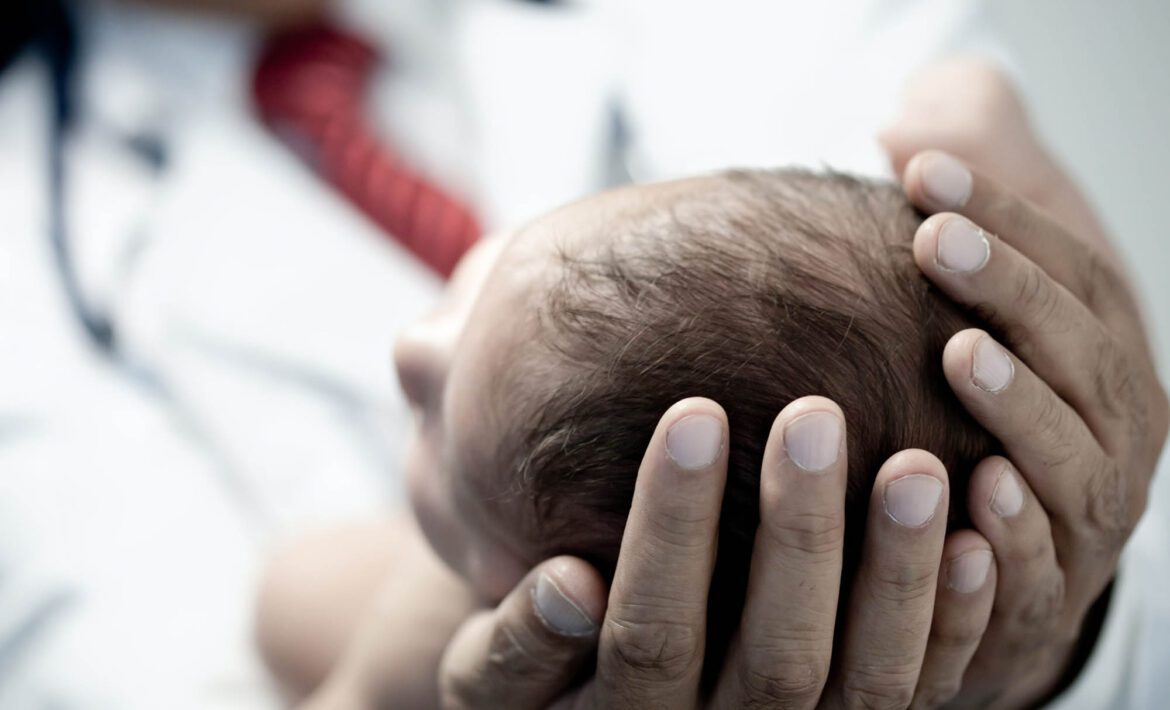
(540, 381)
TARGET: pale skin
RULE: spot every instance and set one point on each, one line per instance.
(1080, 463)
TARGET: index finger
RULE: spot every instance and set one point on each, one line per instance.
(937, 182)
(652, 641)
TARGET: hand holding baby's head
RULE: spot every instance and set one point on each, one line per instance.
(749, 288)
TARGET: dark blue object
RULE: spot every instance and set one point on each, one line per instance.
(47, 27)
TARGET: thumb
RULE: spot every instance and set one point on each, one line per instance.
(527, 651)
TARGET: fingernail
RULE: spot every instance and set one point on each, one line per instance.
(813, 440)
(911, 500)
(1007, 498)
(558, 612)
(962, 247)
(991, 368)
(967, 572)
(694, 441)
(946, 181)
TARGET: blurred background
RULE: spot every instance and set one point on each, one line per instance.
(213, 225)
(1093, 80)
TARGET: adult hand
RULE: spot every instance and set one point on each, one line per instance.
(1079, 410)
(1076, 403)
(650, 632)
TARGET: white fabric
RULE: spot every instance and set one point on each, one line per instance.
(258, 309)
(694, 85)
(1128, 665)
(258, 312)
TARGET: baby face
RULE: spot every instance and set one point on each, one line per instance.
(452, 364)
(445, 363)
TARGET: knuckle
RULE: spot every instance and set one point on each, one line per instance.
(1108, 509)
(1039, 617)
(1035, 295)
(1025, 553)
(1029, 553)
(659, 650)
(906, 583)
(469, 688)
(1096, 280)
(1010, 209)
(511, 659)
(1054, 432)
(508, 650)
(1113, 377)
(681, 529)
(791, 679)
(879, 688)
(459, 689)
(936, 694)
(956, 635)
(814, 535)
(1022, 311)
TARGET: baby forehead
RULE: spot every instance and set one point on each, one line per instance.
(492, 408)
(497, 364)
